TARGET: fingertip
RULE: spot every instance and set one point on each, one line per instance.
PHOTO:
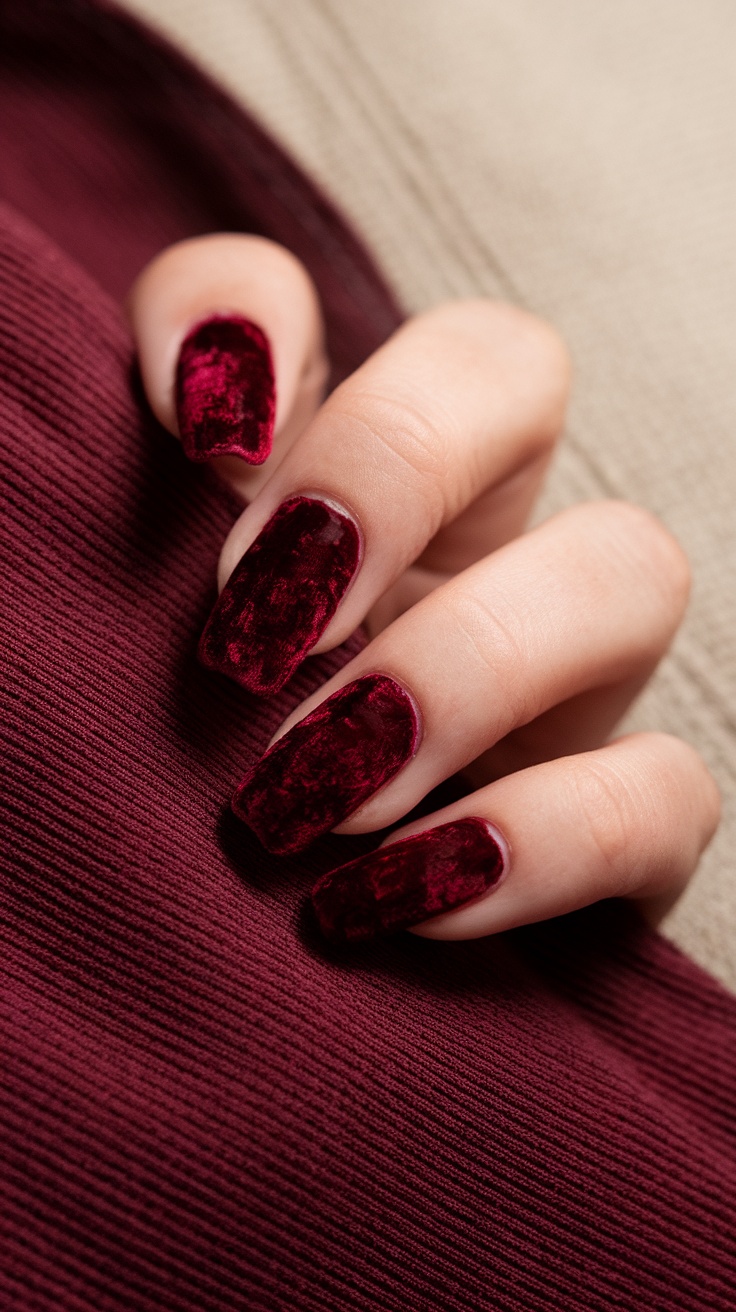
(700, 793)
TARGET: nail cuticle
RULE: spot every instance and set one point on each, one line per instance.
(415, 746)
(282, 594)
(377, 673)
(340, 507)
(309, 495)
(504, 847)
(410, 881)
(321, 770)
(345, 512)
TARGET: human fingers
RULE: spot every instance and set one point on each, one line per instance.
(495, 517)
(587, 601)
(459, 400)
(628, 820)
(231, 349)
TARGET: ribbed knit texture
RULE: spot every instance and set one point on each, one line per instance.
(201, 1107)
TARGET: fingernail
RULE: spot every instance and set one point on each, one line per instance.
(225, 391)
(282, 595)
(321, 770)
(408, 882)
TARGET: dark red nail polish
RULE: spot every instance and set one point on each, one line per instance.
(408, 882)
(321, 770)
(225, 391)
(282, 595)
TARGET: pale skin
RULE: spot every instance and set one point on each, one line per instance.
(521, 649)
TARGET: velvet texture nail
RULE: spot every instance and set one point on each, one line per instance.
(282, 594)
(408, 882)
(225, 391)
(327, 765)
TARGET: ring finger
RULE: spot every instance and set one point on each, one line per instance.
(628, 820)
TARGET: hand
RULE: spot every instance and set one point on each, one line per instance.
(401, 501)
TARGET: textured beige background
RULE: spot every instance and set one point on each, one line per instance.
(580, 159)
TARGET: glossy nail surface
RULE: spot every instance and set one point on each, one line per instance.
(329, 763)
(408, 882)
(225, 391)
(282, 595)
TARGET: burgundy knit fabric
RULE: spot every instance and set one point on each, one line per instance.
(202, 1107)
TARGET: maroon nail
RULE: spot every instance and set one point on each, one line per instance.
(408, 882)
(282, 594)
(331, 761)
(225, 391)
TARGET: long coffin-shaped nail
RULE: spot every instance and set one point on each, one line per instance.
(408, 882)
(282, 595)
(225, 391)
(321, 770)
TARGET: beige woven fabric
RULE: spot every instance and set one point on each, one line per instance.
(580, 159)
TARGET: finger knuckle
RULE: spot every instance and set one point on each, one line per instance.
(518, 343)
(650, 807)
(501, 322)
(605, 797)
(698, 792)
(641, 540)
(415, 447)
(539, 343)
(495, 644)
(542, 355)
